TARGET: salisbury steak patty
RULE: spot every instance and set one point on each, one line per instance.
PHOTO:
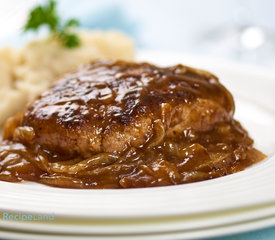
(127, 125)
(110, 106)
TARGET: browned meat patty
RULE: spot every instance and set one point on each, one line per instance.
(127, 125)
(109, 106)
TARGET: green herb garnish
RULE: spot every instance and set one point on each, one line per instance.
(47, 15)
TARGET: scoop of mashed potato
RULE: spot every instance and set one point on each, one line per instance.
(26, 72)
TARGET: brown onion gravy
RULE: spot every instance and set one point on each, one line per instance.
(127, 125)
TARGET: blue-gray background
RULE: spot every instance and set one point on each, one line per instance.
(238, 29)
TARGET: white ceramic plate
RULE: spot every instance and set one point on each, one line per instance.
(195, 204)
(180, 235)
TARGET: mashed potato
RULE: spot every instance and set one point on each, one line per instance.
(27, 72)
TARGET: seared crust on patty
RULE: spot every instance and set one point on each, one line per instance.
(112, 105)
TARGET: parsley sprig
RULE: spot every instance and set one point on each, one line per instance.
(47, 15)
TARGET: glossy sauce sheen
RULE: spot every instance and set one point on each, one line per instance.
(123, 125)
